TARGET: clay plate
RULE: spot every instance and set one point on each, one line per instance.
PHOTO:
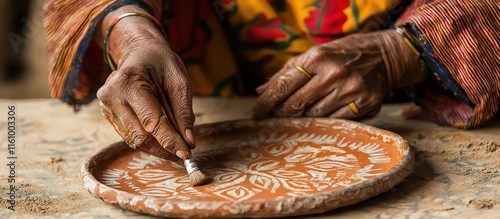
(270, 168)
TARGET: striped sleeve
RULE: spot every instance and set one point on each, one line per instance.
(75, 63)
(461, 47)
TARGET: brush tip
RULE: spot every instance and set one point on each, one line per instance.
(197, 178)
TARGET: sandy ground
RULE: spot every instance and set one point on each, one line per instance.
(456, 176)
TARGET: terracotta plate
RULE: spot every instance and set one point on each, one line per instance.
(271, 168)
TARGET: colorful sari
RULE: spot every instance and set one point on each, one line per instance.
(230, 46)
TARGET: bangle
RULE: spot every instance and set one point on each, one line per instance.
(416, 49)
(107, 58)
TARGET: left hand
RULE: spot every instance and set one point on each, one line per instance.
(359, 69)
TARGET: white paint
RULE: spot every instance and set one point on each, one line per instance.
(252, 171)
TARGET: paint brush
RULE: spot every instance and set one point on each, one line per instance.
(196, 177)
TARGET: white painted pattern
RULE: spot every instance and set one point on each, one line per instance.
(251, 168)
(280, 181)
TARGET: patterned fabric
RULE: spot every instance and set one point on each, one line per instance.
(461, 45)
(267, 33)
(76, 65)
(224, 43)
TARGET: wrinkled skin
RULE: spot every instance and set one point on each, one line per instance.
(128, 98)
(360, 68)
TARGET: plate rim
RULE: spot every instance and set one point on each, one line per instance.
(389, 179)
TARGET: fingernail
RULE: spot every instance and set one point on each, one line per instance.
(182, 154)
(260, 89)
(190, 137)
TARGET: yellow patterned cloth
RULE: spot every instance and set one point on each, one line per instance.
(228, 46)
(231, 46)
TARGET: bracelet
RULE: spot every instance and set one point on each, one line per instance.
(413, 46)
(107, 58)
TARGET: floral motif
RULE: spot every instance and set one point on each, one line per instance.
(273, 161)
(326, 20)
(223, 6)
(358, 168)
(267, 32)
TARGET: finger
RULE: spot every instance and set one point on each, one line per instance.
(305, 96)
(260, 89)
(369, 106)
(152, 118)
(158, 151)
(325, 105)
(344, 91)
(139, 138)
(108, 115)
(132, 132)
(180, 94)
(347, 112)
(279, 89)
(363, 107)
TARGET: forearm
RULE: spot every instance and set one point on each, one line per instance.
(460, 56)
(128, 33)
(403, 66)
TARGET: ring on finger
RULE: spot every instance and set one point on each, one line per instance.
(304, 71)
(354, 108)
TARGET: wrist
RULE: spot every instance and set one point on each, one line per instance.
(133, 36)
(403, 65)
(127, 29)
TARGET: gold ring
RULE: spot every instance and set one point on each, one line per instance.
(354, 108)
(303, 71)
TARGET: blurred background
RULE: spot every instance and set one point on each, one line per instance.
(23, 71)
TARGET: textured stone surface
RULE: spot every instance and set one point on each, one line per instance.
(457, 172)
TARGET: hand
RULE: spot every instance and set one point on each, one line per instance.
(129, 100)
(360, 68)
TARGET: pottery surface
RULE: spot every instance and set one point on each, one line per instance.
(270, 168)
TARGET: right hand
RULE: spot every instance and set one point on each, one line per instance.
(130, 103)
